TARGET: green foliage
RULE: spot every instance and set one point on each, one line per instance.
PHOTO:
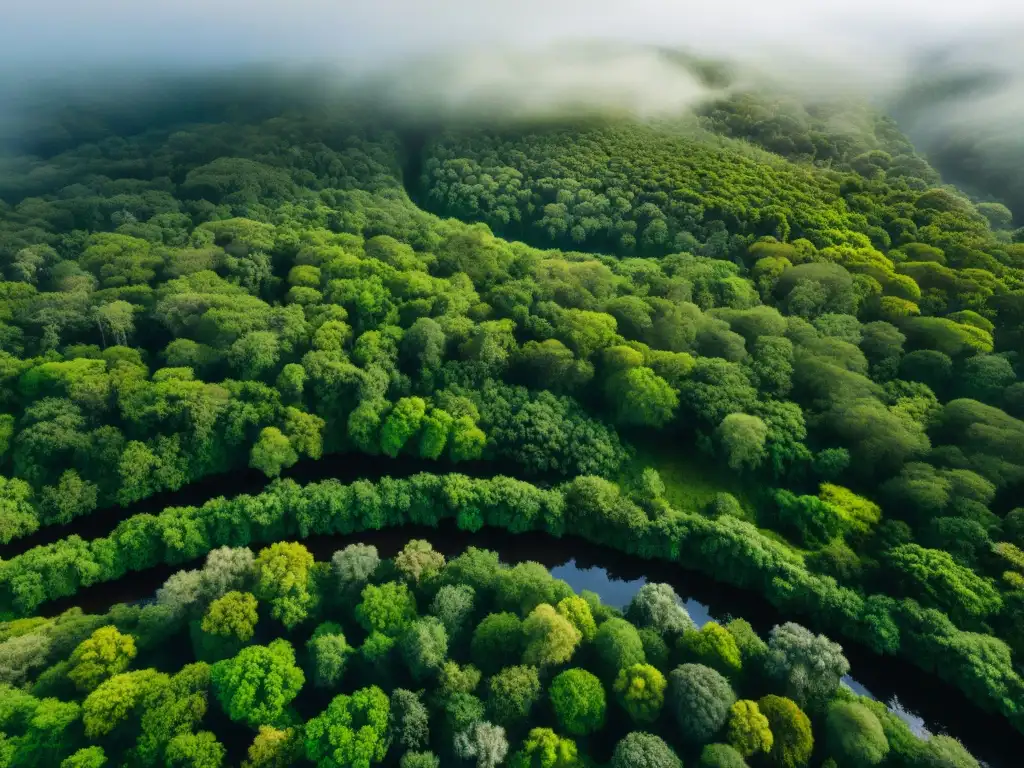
(512, 692)
(854, 736)
(618, 646)
(793, 740)
(195, 750)
(283, 581)
(700, 699)
(543, 748)
(578, 701)
(328, 654)
(104, 654)
(714, 647)
(809, 666)
(388, 608)
(747, 730)
(424, 647)
(551, 638)
(644, 750)
(658, 607)
(258, 684)
(498, 636)
(352, 731)
(640, 690)
(720, 756)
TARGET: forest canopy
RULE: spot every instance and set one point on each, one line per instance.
(765, 341)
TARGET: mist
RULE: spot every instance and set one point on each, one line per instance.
(951, 72)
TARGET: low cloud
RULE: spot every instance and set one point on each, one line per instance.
(946, 69)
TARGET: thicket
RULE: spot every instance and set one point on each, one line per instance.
(419, 661)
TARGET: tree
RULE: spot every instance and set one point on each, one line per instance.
(816, 521)
(809, 666)
(551, 639)
(498, 636)
(743, 439)
(233, 615)
(424, 647)
(195, 750)
(543, 748)
(453, 605)
(418, 561)
(388, 608)
(116, 322)
(328, 655)
(274, 748)
(579, 614)
(748, 730)
(86, 757)
(720, 756)
(483, 742)
(640, 689)
(791, 730)
(258, 684)
(401, 424)
(22, 654)
(104, 654)
(700, 699)
(17, 516)
(351, 732)
(578, 701)
(939, 580)
(116, 698)
(272, 452)
(437, 426)
(466, 441)
(512, 692)
(658, 607)
(419, 760)
(854, 736)
(72, 497)
(410, 720)
(639, 397)
(618, 646)
(353, 566)
(644, 750)
(283, 581)
(255, 354)
(712, 646)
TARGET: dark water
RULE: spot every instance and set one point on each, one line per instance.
(926, 703)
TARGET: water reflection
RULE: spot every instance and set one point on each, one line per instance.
(617, 593)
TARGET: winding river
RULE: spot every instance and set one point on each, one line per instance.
(926, 703)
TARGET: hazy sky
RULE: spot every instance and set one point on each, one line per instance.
(506, 53)
(45, 35)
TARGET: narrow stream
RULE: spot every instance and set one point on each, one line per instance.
(926, 703)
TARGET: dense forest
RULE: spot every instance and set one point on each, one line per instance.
(763, 341)
(466, 661)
